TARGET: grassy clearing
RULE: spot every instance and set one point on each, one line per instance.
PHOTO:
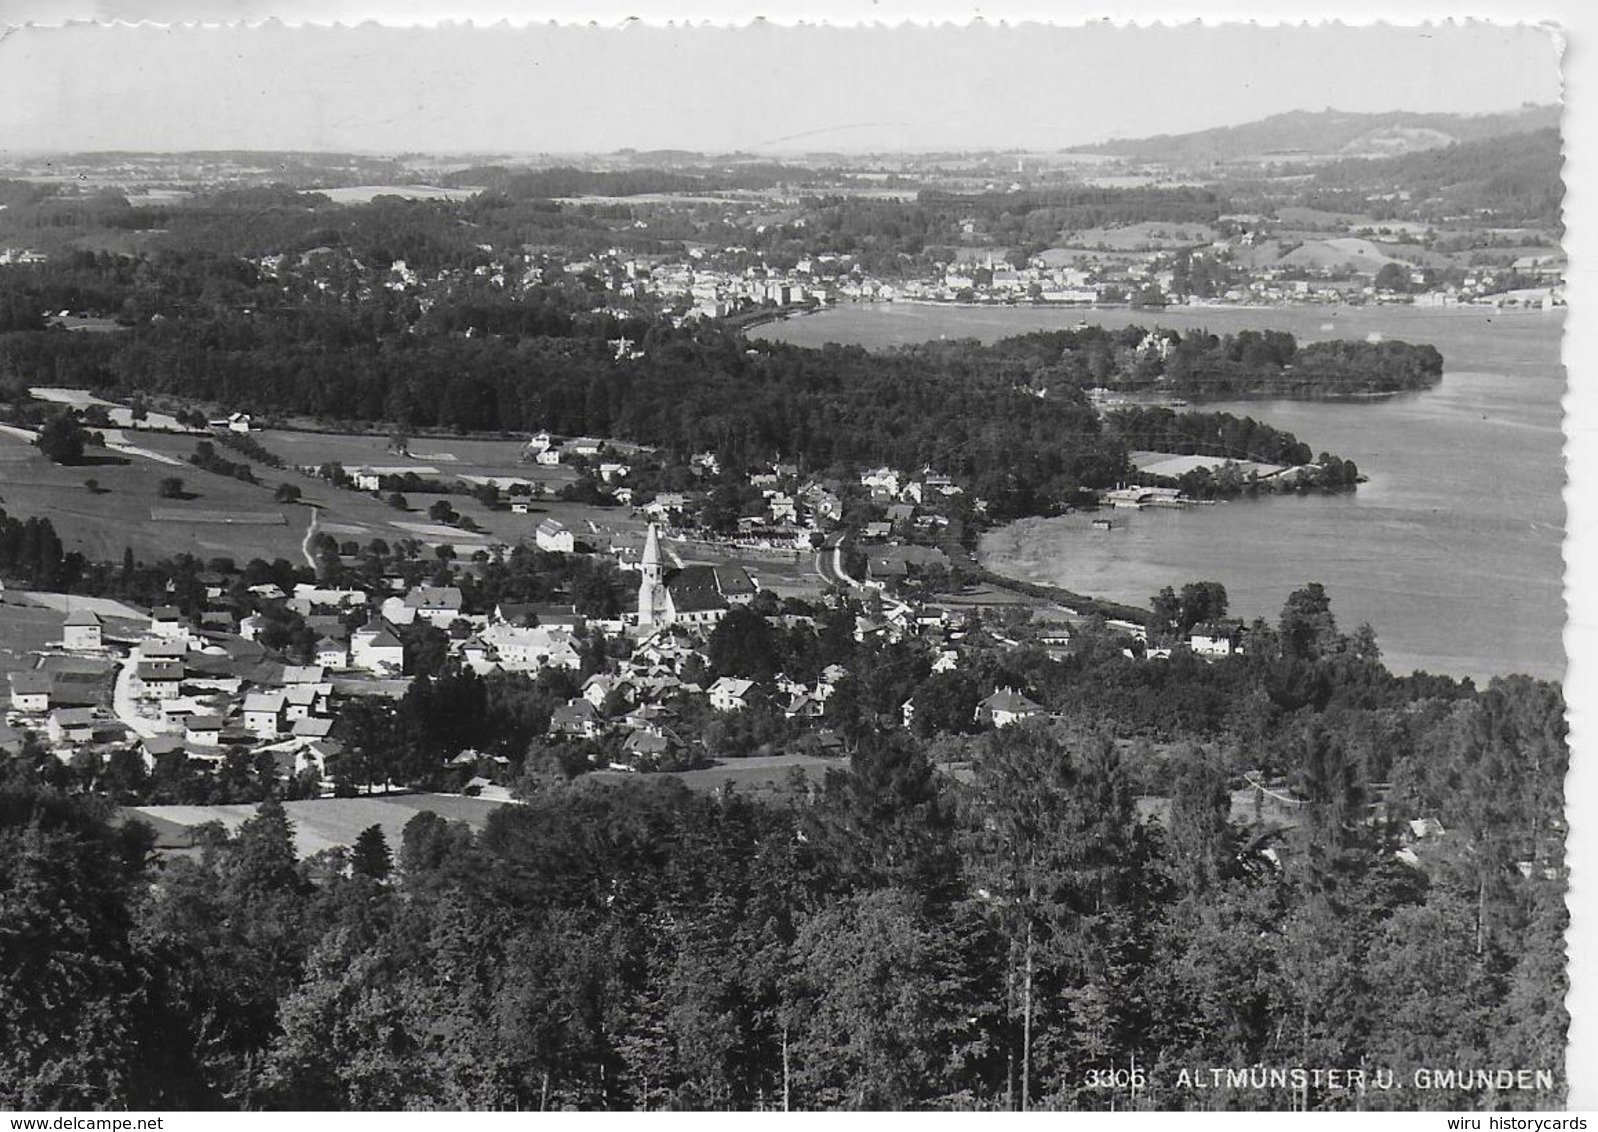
(100, 524)
(24, 630)
(761, 776)
(323, 823)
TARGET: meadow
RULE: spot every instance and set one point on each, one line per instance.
(322, 823)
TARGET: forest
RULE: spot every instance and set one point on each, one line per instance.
(1514, 177)
(1038, 917)
(1010, 421)
(1248, 363)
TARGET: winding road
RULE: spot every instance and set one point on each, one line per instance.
(829, 565)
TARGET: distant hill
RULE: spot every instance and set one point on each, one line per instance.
(1329, 133)
(1514, 176)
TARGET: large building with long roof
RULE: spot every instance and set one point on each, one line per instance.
(687, 595)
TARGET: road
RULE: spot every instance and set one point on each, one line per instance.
(126, 708)
(829, 565)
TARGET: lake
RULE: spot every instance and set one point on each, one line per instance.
(1452, 550)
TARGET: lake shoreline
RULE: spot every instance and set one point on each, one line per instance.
(1452, 549)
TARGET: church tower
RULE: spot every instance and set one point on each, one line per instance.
(651, 583)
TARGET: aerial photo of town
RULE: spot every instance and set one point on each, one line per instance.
(1063, 625)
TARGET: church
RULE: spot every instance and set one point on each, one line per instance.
(687, 595)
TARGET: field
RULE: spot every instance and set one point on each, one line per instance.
(225, 517)
(756, 776)
(1144, 236)
(322, 823)
(100, 524)
(24, 630)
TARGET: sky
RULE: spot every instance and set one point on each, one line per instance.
(563, 88)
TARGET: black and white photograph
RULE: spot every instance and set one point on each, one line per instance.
(632, 565)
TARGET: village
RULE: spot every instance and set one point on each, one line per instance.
(258, 661)
(1243, 259)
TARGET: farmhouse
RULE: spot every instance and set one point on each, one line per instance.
(554, 537)
(264, 713)
(81, 631)
(71, 725)
(30, 691)
(167, 622)
(203, 730)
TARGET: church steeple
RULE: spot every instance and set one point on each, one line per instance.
(651, 559)
(650, 584)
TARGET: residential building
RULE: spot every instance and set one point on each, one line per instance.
(729, 693)
(1213, 640)
(203, 730)
(81, 631)
(264, 713)
(376, 649)
(30, 692)
(529, 650)
(554, 537)
(1007, 706)
(332, 654)
(159, 678)
(578, 719)
(598, 688)
(167, 622)
(438, 605)
(71, 725)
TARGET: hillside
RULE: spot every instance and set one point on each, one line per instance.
(1516, 177)
(1302, 133)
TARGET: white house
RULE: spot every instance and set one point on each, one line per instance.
(730, 694)
(1212, 640)
(579, 718)
(1007, 706)
(598, 687)
(553, 536)
(30, 691)
(332, 654)
(264, 713)
(203, 730)
(530, 650)
(71, 725)
(438, 605)
(160, 678)
(81, 631)
(167, 622)
(376, 649)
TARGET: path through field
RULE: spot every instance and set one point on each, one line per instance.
(305, 543)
